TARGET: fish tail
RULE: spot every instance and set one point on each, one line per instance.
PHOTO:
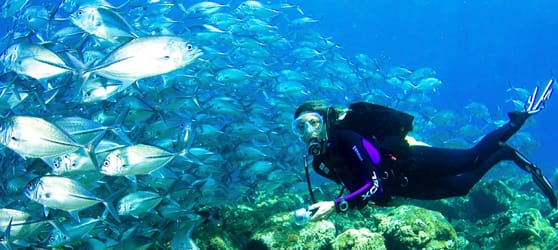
(110, 209)
(116, 128)
(89, 148)
(190, 157)
(57, 226)
(185, 138)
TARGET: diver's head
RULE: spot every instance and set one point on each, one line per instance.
(310, 125)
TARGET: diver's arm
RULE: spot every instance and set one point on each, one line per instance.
(370, 191)
(369, 158)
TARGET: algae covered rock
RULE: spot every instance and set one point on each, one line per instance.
(490, 197)
(519, 237)
(514, 229)
(526, 230)
(411, 227)
(280, 232)
(361, 239)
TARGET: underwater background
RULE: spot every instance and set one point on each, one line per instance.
(212, 160)
(478, 48)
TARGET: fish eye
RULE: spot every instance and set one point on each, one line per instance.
(106, 163)
(80, 12)
(30, 186)
(51, 238)
(55, 164)
(189, 47)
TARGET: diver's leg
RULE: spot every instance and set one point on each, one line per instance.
(490, 143)
(437, 173)
(441, 162)
(460, 184)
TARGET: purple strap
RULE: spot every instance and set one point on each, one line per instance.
(372, 151)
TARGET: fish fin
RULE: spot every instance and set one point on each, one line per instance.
(104, 65)
(5, 237)
(74, 215)
(85, 197)
(133, 179)
(125, 3)
(75, 61)
(57, 226)
(189, 157)
(45, 211)
(56, 65)
(185, 138)
(61, 142)
(110, 209)
(116, 128)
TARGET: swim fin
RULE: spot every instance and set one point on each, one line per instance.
(539, 179)
(532, 106)
(546, 188)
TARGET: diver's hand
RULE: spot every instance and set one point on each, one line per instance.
(323, 210)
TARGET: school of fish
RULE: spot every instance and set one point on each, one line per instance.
(120, 121)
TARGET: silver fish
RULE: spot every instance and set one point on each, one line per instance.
(138, 203)
(64, 194)
(72, 5)
(102, 22)
(81, 129)
(71, 163)
(71, 233)
(20, 223)
(183, 241)
(33, 137)
(202, 8)
(231, 75)
(136, 160)
(255, 8)
(34, 61)
(10, 7)
(97, 89)
(36, 18)
(146, 57)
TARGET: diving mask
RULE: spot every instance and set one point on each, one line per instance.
(308, 124)
(309, 127)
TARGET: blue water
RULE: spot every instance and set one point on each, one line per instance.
(478, 48)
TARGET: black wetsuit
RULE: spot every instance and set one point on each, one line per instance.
(372, 173)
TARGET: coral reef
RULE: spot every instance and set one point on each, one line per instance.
(361, 239)
(417, 228)
(509, 219)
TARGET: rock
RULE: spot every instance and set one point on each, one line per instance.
(519, 237)
(490, 197)
(361, 239)
(514, 229)
(411, 227)
(526, 229)
(280, 232)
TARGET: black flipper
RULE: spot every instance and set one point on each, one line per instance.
(546, 188)
(539, 179)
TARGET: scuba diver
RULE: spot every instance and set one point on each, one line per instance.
(366, 148)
